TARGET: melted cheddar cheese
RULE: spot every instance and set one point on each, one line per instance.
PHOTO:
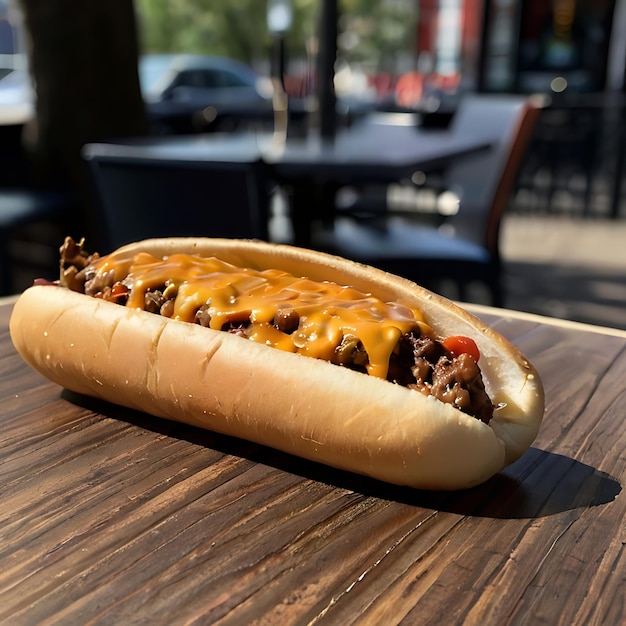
(326, 312)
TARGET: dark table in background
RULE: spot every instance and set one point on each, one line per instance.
(113, 517)
(311, 168)
(381, 150)
(376, 150)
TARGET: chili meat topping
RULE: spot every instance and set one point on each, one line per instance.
(351, 329)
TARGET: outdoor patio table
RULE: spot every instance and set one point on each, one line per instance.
(114, 517)
(364, 153)
(368, 153)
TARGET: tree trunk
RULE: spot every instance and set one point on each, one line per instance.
(83, 60)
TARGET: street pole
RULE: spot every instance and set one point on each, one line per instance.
(327, 57)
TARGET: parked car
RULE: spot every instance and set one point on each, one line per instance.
(195, 93)
(16, 96)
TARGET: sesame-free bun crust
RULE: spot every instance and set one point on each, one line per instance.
(303, 406)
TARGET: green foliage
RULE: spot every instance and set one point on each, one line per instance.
(373, 31)
(377, 32)
(235, 28)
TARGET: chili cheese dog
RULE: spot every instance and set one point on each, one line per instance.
(305, 352)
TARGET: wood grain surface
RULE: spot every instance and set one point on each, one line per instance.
(113, 517)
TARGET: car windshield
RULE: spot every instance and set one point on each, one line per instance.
(15, 87)
(156, 69)
(151, 69)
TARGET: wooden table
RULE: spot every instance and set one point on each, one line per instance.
(111, 517)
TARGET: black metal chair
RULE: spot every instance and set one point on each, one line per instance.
(464, 247)
(140, 197)
(20, 208)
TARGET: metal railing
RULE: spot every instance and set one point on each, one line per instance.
(575, 162)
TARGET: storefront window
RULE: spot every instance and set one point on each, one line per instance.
(564, 45)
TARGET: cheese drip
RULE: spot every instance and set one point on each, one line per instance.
(327, 311)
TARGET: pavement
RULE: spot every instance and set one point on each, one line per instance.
(566, 267)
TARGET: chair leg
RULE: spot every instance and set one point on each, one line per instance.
(497, 290)
(6, 273)
(462, 288)
(497, 296)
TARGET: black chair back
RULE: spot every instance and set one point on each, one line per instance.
(464, 248)
(484, 183)
(139, 198)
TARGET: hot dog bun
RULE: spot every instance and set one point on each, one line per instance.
(300, 405)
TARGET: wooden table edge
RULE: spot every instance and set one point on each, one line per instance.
(7, 300)
(478, 309)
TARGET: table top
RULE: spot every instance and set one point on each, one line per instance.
(110, 516)
(372, 152)
(368, 151)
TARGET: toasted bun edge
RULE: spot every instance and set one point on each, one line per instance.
(296, 404)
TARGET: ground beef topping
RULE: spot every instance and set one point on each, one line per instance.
(412, 357)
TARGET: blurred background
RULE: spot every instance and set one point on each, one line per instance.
(73, 74)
